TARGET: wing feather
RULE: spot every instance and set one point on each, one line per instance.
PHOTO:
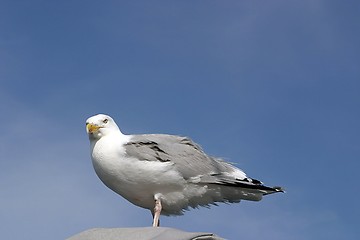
(188, 157)
(191, 161)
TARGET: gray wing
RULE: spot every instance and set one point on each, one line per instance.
(191, 161)
(188, 157)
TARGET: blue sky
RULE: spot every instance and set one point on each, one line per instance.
(272, 86)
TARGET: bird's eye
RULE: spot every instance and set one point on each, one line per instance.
(105, 120)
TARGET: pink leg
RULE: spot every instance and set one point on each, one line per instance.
(156, 214)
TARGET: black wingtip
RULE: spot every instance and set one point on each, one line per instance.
(279, 189)
(276, 189)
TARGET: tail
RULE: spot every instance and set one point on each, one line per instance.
(252, 185)
(275, 190)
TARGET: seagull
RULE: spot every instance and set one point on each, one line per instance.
(166, 174)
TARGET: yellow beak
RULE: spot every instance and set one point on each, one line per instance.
(90, 128)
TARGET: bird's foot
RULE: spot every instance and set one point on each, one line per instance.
(157, 211)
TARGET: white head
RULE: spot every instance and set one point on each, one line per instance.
(101, 125)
